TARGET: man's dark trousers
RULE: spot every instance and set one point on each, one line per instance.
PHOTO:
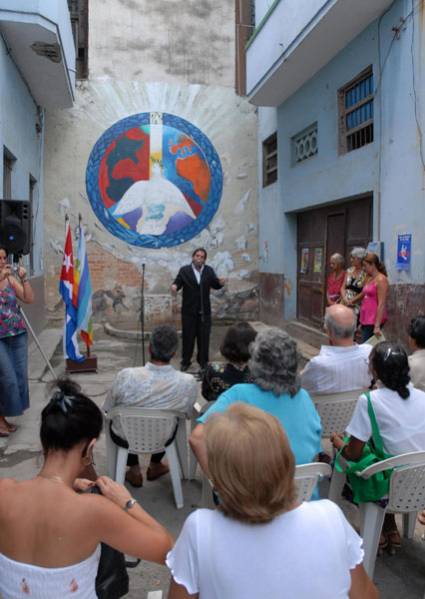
(199, 328)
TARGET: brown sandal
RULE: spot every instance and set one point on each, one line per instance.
(394, 539)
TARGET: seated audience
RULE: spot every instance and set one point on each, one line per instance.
(276, 390)
(261, 542)
(400, 414)
(220, 376)
(51, 535)
(417, 345)
(342, 365)
(157, 385)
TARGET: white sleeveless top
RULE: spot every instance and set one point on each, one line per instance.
(19, 580)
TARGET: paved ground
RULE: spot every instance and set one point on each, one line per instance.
(399, 576)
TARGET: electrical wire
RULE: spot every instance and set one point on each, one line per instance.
(415, 99)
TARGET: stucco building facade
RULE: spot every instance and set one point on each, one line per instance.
(37, 74)
(341, 87)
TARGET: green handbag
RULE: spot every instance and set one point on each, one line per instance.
(377, 486)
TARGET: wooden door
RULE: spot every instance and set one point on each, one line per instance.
(336, 228)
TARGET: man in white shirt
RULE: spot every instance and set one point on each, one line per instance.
(342, 365)
(417, 345)
(157, 385)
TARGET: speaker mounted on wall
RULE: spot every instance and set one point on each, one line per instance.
(15, 226)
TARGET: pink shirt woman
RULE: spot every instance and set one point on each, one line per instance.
(373, 310)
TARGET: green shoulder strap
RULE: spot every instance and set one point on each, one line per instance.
(376, 435)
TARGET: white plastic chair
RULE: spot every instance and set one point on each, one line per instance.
(307, 477)
(147, 431)
(406, 496)
(335, 410)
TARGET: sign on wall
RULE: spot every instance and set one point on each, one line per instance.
(154, 180)
(404, 251)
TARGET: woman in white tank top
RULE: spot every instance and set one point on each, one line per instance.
(50, 534)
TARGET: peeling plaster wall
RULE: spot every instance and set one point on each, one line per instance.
(163, 40)
(170, 57)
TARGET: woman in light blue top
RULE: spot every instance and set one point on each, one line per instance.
(276, 390)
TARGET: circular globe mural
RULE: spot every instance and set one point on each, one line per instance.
(154, 180)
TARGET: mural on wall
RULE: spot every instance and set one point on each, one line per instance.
(154, 180)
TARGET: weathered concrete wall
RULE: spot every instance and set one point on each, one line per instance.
(165, 40)
(271, 292)
(157, 57)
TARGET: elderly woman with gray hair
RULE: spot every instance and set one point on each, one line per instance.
(335, 279)
(355, 278)
(276, 390)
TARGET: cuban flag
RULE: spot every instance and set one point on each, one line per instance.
(83, 291)
(66, 288)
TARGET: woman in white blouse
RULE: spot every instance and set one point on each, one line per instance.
(400, 414)
(260, 542)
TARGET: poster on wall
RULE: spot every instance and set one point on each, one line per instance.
(404, 251)
(318, 260)
(304, 261)
(154, 180)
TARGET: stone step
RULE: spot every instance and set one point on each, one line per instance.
(305, 333)
(305, 349)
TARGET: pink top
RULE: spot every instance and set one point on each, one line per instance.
(334, 285)
(369, 305)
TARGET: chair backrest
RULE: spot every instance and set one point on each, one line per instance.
(335, 410)
(307, 476)
(407, 483)
(146, 430)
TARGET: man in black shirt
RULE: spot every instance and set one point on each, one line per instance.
(196, 279)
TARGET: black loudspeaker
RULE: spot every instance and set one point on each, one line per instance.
(15, 226)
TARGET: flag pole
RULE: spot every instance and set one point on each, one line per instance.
(80, 232)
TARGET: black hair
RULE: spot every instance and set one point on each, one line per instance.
(200, 250)
(4, 250)
(236, 342)
(389, 362)
(163, 343)
(417, 331)
(69, 418)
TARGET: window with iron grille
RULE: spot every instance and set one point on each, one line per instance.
(270, 160)
(304, 144)
(356, 112)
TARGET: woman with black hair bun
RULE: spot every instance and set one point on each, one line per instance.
(220, 376)
(400, 414)
(51, 533)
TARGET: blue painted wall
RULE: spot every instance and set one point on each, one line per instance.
(390, 167)
(18, 118)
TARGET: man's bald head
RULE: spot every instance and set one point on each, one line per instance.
(340, 324)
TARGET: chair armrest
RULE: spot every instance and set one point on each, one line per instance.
(414, 458)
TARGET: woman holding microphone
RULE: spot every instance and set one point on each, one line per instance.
(14, 395)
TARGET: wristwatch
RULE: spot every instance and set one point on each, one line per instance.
(129, 504)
